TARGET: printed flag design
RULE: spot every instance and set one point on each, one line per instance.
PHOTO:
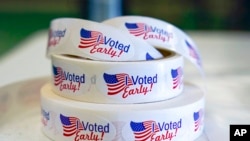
(197, 120)
(70, 125)
(117, 82)
(45, 116)
(137, 29)
(192, 52)
(144, 130)
(58, 75)
(177, 77)
(149, 57)
(90, 38)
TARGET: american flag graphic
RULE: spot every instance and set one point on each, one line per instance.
(90, 38)
(177, 77)
(197, 120)
(144, 130)
(58, 75)
(117, 82)
(149, 57)
(70, 125)
(137, 29)
(192, 52)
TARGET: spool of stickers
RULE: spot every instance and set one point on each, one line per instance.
(178, 119)
(96, 41)
(160, 34)
(118, 82)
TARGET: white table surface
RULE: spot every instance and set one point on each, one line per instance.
(226, 64)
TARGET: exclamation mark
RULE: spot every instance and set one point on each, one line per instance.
(102, 135)
(120, 53)
(79, 84)
(151, 86)
(176, 132)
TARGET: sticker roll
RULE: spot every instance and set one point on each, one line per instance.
(118, 82)
(96, 41)
(178, 119)
(160, 34)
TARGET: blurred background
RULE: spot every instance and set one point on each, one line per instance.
(21, 18)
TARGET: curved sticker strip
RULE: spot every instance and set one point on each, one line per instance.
(118, 82)
(160, 34)
(178, 119)
(96, 41)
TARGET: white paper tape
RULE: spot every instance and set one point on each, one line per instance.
(96, 41)
(160, 34)
(178, 119)
(118, 82)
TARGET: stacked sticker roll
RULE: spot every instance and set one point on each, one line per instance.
(120, 80)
